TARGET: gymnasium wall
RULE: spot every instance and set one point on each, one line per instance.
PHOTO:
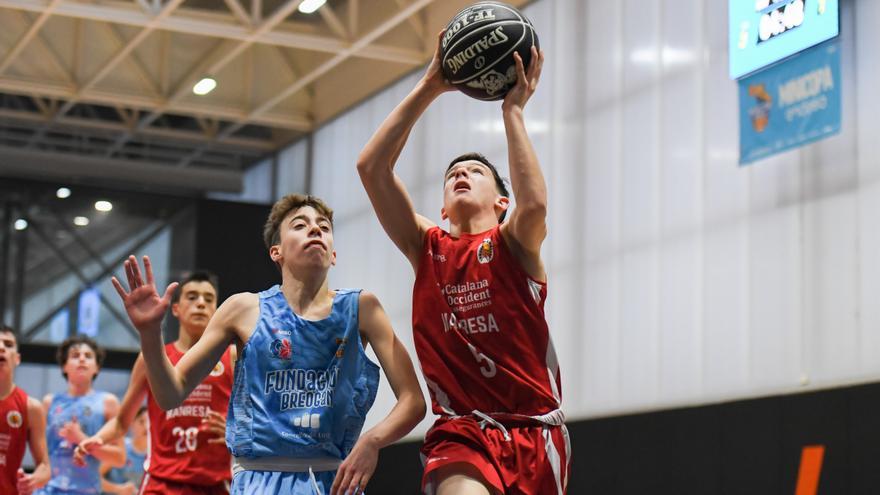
(677, 277)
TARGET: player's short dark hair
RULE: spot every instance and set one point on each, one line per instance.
(64, 350)
(500, 183)
(4, 328)
(196, 276)
(282, 207)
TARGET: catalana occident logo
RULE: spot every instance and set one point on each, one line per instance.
(486, 251)
(13, 419)
(281, 349)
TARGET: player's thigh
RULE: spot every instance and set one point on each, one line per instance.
(461, 479)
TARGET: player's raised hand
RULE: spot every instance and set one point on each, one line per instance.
(356, 470)
(526, 81)
(434, 75)
(72, 432)
(144, 306)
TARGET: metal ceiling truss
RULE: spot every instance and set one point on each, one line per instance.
(113, 79)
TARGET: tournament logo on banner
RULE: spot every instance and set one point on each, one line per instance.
(790, 104)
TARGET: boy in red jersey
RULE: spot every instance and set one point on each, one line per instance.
(478, 305)
(188, 455)
(22, 422)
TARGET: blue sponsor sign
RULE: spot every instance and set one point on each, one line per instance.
(790, 104)
(765, 31)
(88, 311)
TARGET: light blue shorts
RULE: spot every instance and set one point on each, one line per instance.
(276, 482)
(48, 490)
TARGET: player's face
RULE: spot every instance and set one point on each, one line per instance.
(139, 425)
(82, 363)
(9, 357)
(469, 187)
(306, 239)
(196, 306)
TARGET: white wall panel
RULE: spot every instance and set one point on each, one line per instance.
(676, 276)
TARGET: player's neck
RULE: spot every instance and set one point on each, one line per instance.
(473, 224)
(304, 295)
(140, 443)
(77, 389)
(187, 338)
(6, 386)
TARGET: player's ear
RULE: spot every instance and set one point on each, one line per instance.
(443, 215)
(275, 253)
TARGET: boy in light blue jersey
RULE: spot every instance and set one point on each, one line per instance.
(76, 414)
(303, 384)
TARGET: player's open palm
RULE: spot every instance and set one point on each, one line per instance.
(144, 306)
(356, 470)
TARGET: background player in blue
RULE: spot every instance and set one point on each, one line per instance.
(303, 384)
(127, 479)
(76, 414)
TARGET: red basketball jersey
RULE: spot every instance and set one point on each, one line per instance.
(179, 450)
(13, 438)
(479, 328)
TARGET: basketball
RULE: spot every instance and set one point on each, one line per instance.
(478, 45)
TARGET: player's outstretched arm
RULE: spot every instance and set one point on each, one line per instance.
(357, 469)
(527, 227)
(376, 163)
(113, 451)
(115, 429)
(27, 483)
(108, 486)
(170, 384)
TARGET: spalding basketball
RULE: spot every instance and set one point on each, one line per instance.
(477, 49)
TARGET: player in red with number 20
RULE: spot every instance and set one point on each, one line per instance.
(478, 305)
(188, 453)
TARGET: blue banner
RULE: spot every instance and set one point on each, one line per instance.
(762, 32)
(790, 104)
(89, 311)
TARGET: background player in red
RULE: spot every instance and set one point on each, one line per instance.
(22, 422)
(188, 453)
(478, 304)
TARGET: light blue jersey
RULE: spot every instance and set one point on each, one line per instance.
(301, 393)
(88, 411)
(133, 470)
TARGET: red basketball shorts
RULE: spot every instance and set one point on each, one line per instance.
(531, 459)
(157, 486)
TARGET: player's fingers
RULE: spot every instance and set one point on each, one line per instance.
(148, 268)
(216, 415)
(136, 270)
(520, 69)
(169, 292)
(129, 273)
(362, 484)
(119, 289)
(343, 476)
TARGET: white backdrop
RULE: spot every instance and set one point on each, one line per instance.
(676, 277)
